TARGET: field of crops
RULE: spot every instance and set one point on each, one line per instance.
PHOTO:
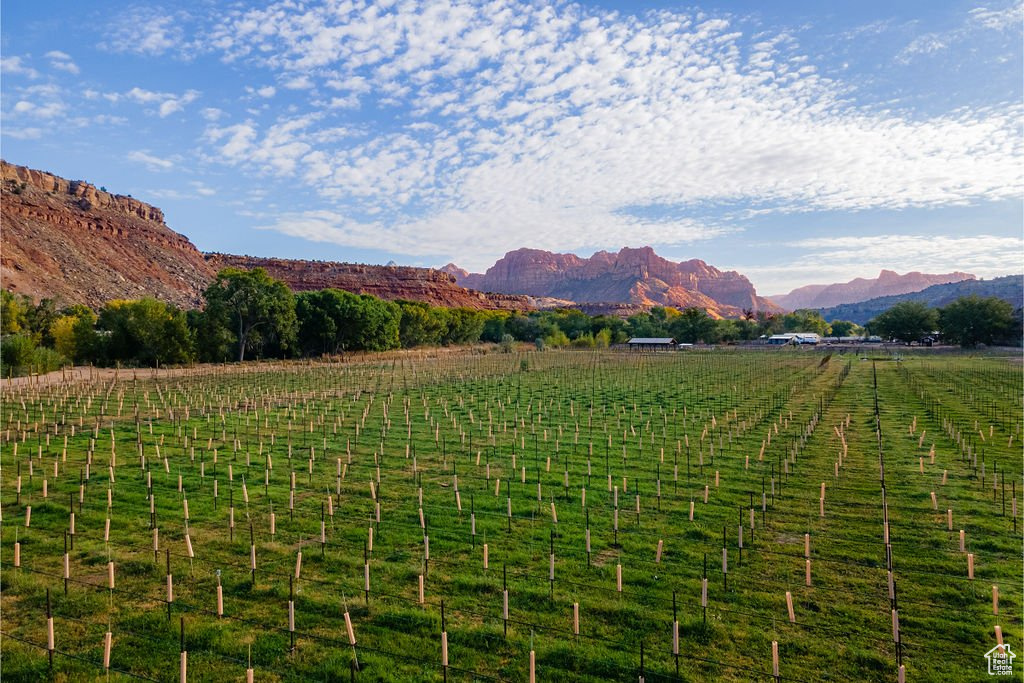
(573, 515)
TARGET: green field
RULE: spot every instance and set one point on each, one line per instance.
(514, 440)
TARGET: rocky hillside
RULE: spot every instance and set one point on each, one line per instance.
(634, 277)
(386, 282)
(1009, 288)
(71, 241)
(888, 283)
(68, 240)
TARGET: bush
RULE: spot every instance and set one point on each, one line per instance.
(19, 355)
(507, 343)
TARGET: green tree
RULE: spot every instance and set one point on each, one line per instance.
(906, 321)
(214, 340)
(257, 309)
(421, 324)
(556, 339)
(805, 320)
(973, 320)
(16, 351)
(145, 332)
(318, 315)
(465, 326)
(845, 328)
(12, 312)
(494, 326)
(695, 325)
(39, 320)
(616, 328)
(376, 325)
(647, 325)
(64, 334)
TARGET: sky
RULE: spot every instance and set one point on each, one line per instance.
(795, 141)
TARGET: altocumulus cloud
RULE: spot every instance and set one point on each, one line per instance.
(498, 123)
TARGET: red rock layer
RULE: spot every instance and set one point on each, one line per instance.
(71, 241)
(387, 282)
(633, 277)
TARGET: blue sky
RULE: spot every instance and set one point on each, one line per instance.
(796, 142)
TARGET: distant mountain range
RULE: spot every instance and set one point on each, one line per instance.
(631, 279)
(887, 283)
(1009, 288)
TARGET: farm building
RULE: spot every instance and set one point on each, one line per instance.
(651, 344)
(794, 338)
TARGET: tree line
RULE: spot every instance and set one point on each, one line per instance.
(250, 315)
(969, 321)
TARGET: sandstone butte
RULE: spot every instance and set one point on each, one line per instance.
(619, 284)
(73, 242)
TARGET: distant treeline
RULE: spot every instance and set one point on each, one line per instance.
(250, 315)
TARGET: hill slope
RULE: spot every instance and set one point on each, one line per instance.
(1009, 288)
(71, 241)
(861, 289)
(68, 240)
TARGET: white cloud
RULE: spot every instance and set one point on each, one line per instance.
(38, 102)
(212, 113)
(62, 61)
(145, 31)
(266, 91)
(153, 163)
(841, 259)
(1001, 19)
(202, 189)
(14, 66)
(976, 23)
(512, 123)
(168, 103)
(30, 133)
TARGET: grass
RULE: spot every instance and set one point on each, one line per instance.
(639, 420)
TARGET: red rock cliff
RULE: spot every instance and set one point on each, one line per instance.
(637, 277)
(68, 240)
(386, 282)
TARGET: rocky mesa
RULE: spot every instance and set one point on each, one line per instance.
(70, 241)
(633, 278)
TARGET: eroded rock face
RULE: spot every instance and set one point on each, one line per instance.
(633, 278)
(888, 283)
(431, 286)
(71, 241)
(68, 240)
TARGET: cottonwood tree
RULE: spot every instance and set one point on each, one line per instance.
(256, 308)
(973, 320)
(907, 321)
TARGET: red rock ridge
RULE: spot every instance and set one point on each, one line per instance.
(636, 278)
(859, 289)
(387, 282)
(68, 240)
(71, 241)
